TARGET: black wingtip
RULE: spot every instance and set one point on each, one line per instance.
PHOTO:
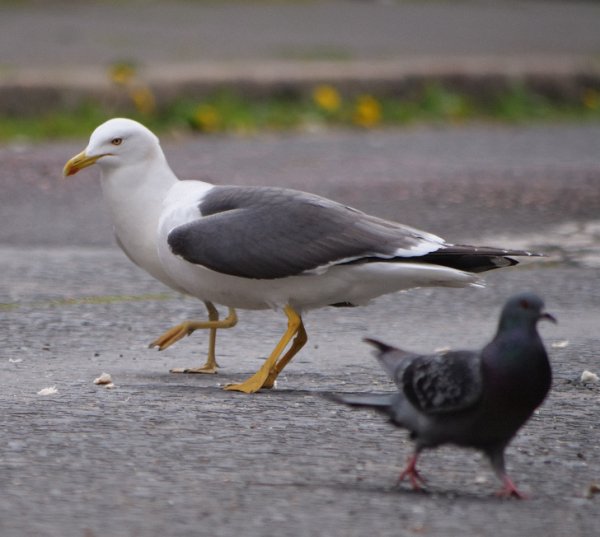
(507, 261)
(382, 347)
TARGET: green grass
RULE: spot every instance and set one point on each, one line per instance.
(55, 124)
(88, 300)
(228, 112)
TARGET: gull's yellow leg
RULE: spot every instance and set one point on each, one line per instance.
(185, 329)
(210, 367)
(259, 379)
(299, 342)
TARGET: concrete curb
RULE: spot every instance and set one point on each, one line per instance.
(32, 91)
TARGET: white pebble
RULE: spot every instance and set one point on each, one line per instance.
(588, 376)
(105, 378)
(560, 344)
(48, 391)
(593, 489)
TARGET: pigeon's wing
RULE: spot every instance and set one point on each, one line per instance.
(443, 383)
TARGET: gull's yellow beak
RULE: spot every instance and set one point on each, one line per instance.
(78, 162)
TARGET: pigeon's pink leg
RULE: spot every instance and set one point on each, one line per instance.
(411, 472)
(509, 489)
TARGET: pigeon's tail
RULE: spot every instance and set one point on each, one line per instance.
(381, 346)
(380, 402)
(390, 358)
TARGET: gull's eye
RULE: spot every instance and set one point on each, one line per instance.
(116, 141)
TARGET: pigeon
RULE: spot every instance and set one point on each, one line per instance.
(476, 399)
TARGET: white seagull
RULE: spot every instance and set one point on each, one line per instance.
(261, 247)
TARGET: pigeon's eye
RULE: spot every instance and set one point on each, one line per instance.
(524, 304)
(116, 141)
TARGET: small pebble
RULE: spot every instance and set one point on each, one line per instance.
(588, 376)
(48, 391)
(105, 378)
(592, 490)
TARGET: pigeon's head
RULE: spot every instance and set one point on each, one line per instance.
(117, 142)
(524, 309)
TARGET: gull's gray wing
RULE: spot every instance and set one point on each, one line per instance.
(267, 233)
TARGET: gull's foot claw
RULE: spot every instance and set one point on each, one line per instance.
(251, 385)
(171, 336)
(206, 370)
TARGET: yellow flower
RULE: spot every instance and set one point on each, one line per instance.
(143, 99)
(121, 73)
(367, 111)
(207, 118)
(327, 98)
(591, 99)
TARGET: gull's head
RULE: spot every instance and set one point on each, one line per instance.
(117, 142)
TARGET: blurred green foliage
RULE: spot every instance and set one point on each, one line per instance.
(230, 112)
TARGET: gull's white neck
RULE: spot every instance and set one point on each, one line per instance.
(134, 194)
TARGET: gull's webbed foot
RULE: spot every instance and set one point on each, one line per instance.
(266, 375)
(173, 335)
(207, 369)
(251, 385)
(178, 332)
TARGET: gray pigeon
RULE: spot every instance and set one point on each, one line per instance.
(476, 399)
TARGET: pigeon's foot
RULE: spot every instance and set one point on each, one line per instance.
(509, 490)
(410, 471)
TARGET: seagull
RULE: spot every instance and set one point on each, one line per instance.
(261, 247)
(477, 399)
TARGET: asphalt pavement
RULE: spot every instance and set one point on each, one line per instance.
(175, 455)
(78, 34)
(163, 454)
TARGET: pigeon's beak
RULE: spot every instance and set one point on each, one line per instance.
(78, 162)
(548, 317)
